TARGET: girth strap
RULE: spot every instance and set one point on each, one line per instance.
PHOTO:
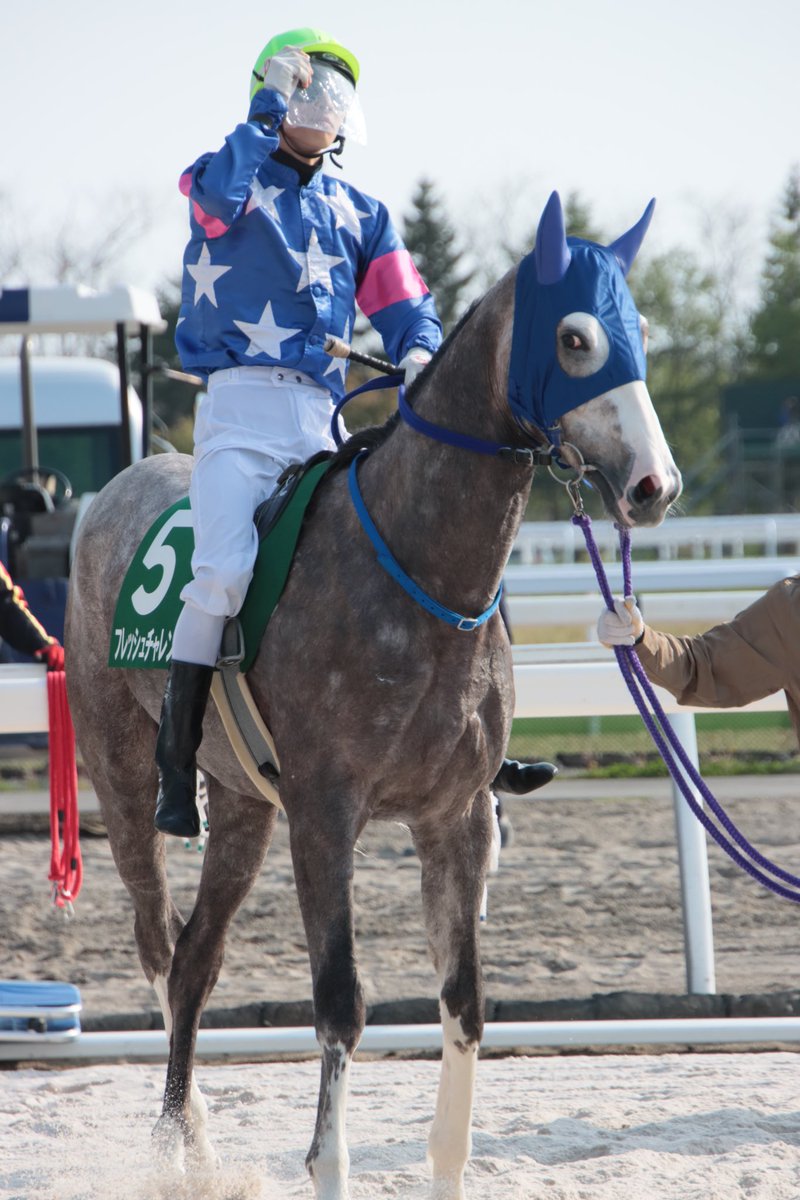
(251, 740)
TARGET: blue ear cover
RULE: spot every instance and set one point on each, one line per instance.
(565, 275)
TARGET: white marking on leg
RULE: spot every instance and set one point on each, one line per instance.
(160, 988)
(450, 1141)
(330, 1165)
(168, 1134)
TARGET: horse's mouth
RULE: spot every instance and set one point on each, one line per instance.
(608, 494)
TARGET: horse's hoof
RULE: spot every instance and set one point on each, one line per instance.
(169, 1146)
(201, 1157)
(448, 1187)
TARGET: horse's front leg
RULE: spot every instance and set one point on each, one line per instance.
(322, 854)
(454, 862)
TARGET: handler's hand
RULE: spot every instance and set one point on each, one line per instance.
(53, 655)
(622, 627)
(290, 68)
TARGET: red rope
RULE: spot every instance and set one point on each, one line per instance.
(66, 867)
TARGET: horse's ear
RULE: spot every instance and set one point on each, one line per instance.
(551, 252)
(627, 247)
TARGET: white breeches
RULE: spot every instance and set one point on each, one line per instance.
(252, 424)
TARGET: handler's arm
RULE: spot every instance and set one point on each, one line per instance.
(18, 626)
(734, 663)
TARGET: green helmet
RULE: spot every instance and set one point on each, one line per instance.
(313, 41)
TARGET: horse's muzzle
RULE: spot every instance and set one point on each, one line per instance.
(648, 501)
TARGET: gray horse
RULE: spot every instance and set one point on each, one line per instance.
(379, 710)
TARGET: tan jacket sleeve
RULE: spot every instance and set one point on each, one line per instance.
(732, 664)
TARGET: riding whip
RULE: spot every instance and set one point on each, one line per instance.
(338, 348)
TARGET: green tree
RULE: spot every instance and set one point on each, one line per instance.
(434, 246)
(578, 219)
(775, 324)
(686, 368)
(502, 251)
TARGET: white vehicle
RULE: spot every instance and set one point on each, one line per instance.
(78, 416)
(67, 425)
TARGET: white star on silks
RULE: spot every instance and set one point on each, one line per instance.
(315, 265)
(340, 364)
(264, 197)
(205, 276)
(265, 336)
(347, 214)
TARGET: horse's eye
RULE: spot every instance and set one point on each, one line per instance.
(581, 345)
(571, 340)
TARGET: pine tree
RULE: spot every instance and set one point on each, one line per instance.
(775, 325)
(433, 245)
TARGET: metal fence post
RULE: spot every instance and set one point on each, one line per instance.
(698, 934)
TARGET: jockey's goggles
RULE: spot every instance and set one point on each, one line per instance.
(329, 103)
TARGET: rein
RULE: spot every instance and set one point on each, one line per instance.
(678, 763)
(522, 456)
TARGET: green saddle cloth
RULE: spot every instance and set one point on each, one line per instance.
(150, 597)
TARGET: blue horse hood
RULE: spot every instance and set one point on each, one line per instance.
(540, 391)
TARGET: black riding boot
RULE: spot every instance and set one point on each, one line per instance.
(179, 734)
(521, 778)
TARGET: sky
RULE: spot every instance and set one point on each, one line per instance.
(696, 102)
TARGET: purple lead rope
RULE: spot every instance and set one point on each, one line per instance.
(661, 731)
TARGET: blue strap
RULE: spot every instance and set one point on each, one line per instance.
(372, 385)
(464, 441)
(393, 568)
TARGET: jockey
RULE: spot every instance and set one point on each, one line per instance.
(19, 627)
(278, 257)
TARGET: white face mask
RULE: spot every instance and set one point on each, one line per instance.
(329, 104)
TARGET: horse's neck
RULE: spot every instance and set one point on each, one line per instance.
(449, 515)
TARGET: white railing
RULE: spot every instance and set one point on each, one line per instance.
(153, 1045)
(699, 608)
(769, 534)
(699, 592)
(690, 575)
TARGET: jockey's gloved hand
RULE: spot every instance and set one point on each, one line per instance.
(622, 627)
(288, 69)
(52, 655)
(416, 359)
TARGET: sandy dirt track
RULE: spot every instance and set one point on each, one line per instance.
(586, 901)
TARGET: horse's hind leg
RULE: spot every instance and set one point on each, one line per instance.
(454, 861)
(117, 740)
(241, 829)
(322, 855)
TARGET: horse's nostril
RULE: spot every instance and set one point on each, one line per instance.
(646, 489)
